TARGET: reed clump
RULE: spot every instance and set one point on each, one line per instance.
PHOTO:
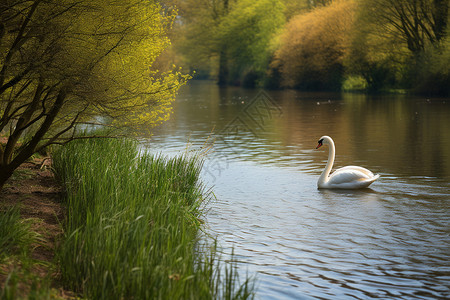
(133, 227)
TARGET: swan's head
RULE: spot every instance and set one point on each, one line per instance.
(324, 140)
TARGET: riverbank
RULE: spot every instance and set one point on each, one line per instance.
(34, 190)
(129, 225)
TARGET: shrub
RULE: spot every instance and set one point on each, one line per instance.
(313, 47)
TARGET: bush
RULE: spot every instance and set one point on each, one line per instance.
(313, 47)
(432, 71)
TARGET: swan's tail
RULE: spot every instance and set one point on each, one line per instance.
(369, 181)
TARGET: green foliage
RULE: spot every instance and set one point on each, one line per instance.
(433, 71)
(100, 53)
(380, 62)
(416, 24)
(237, 34)
(354, 83)
(133, 225)
(247, 32)
(390, 44)
(66, 63)
(197, 39)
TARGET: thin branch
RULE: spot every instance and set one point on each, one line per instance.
(15, 80)
(17, 41)
(30, 148)
(57, 135)
(6, 117)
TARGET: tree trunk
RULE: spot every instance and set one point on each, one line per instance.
(440, 16)
(223, 60)
(223, 69)
(8, 166)
(5, 173)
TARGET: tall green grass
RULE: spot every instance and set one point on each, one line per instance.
(16, 242)
(133, 226)
(16, 235)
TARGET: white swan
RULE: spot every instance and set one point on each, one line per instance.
(350, 177)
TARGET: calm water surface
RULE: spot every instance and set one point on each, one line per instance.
(390, 241)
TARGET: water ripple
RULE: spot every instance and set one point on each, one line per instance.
(388, 242)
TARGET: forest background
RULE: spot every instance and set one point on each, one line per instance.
(371, 45)
(64, 63)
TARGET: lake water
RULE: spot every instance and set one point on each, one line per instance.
(391, 241)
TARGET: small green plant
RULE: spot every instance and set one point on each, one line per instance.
(354, 83)
(23, 283)
(133, 226)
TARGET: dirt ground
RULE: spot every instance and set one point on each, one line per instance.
(34, 189)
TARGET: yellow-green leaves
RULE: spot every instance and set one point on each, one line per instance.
(100, 52)
(314, 44)
(65, 63)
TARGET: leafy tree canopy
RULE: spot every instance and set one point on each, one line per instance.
(234, 35)
(398, 42)
(66, 63)
(247, 32)
(313, 46)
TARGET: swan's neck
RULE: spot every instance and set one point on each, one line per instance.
(326, 172)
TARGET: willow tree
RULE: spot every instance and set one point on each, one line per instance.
(417, 23)
(394, 40)
(68, 63)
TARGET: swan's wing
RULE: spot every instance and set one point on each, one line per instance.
(342, 176)
(362, 170)
(352, 175)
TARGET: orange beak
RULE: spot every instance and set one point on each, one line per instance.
(319, 145)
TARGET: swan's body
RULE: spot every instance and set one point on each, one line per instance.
(350, 177)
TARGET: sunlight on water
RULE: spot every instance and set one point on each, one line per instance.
(390, 241)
